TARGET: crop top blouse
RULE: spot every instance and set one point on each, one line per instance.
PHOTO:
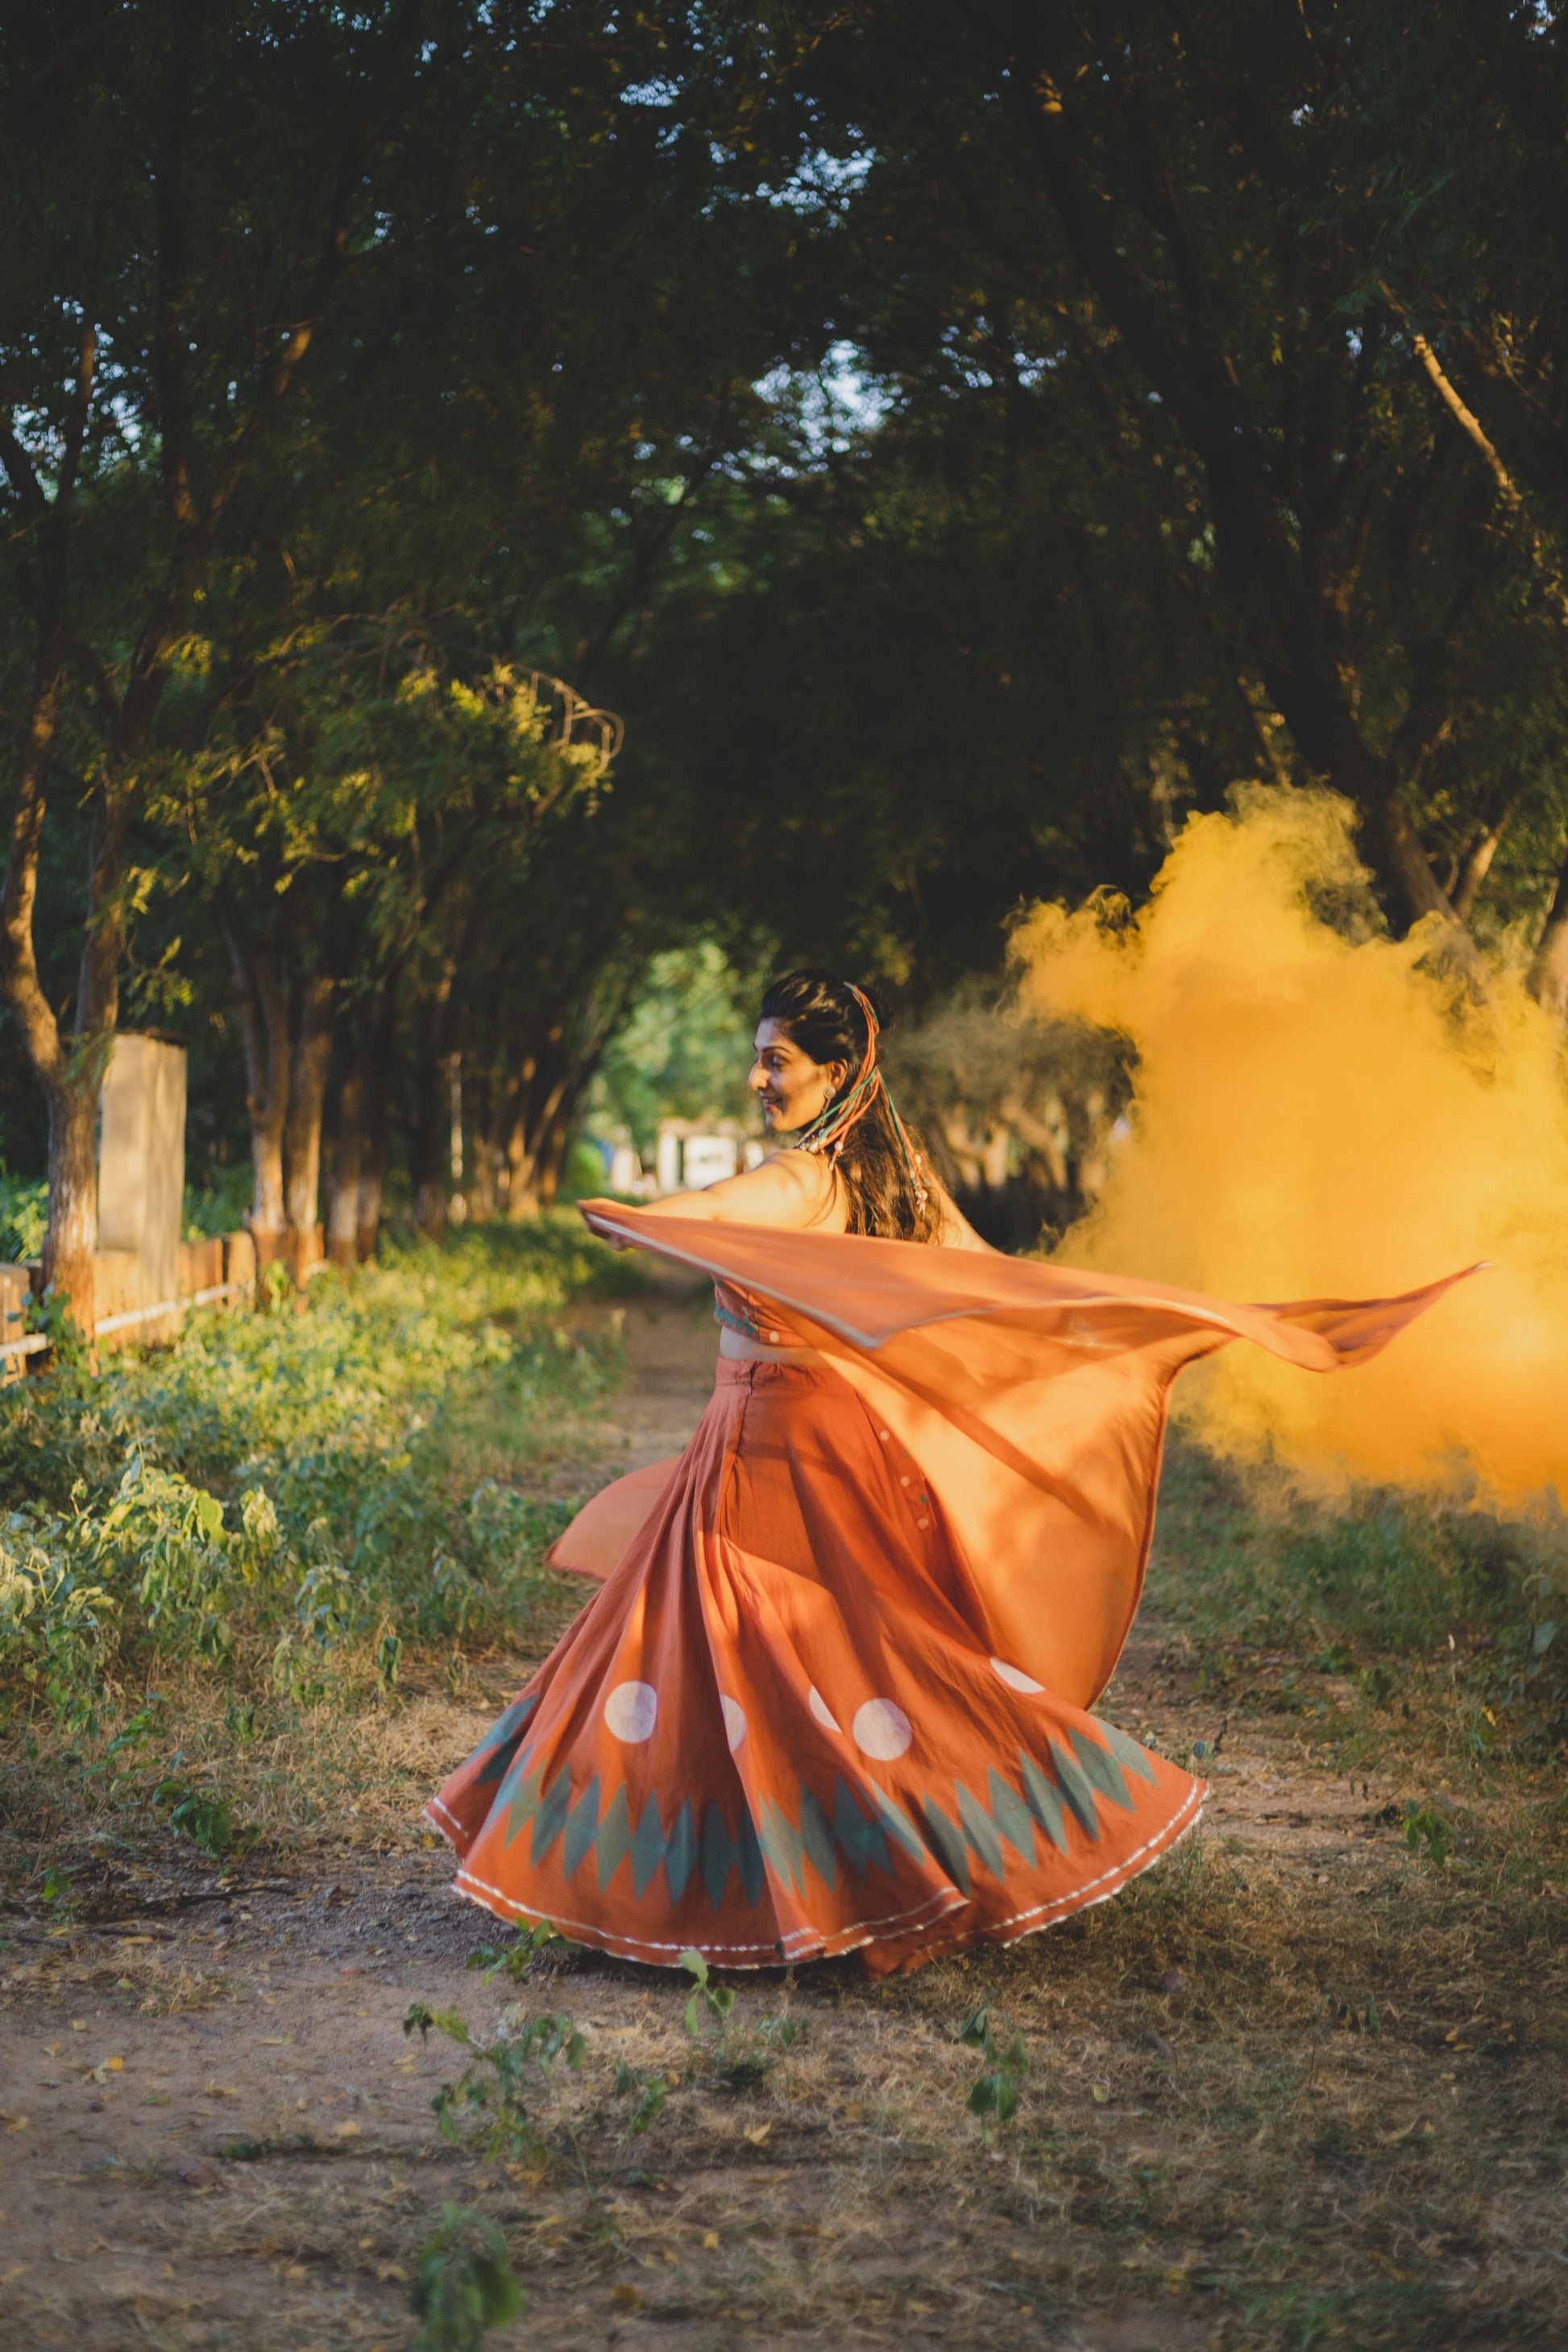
(754, 1317)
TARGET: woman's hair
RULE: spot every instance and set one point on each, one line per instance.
(880, 1162)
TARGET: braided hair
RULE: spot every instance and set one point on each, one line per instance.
(870, 1150)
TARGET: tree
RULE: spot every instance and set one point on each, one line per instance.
(189, 192)
(498, 274)
(1461, 154)
(1156, 221)
(360, 821)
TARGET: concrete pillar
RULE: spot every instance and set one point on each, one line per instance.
(668, 1162)
(142, 1163)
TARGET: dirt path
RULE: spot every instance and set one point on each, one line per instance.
(214, 2133)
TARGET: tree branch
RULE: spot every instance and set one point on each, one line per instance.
(1476, 864)
(1466, 418)
(21, 472)
(1548, 973)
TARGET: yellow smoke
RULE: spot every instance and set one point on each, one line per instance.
(1314, 1116)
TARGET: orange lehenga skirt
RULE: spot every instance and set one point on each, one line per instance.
(834, 1692)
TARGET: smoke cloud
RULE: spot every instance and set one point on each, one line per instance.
(1322, 1112)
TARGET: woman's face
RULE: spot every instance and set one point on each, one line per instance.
(791, 1087)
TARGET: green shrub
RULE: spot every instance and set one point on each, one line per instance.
(274, 1492)
(216, 1203)
(465, 2284)
(24, 1213)
(1379, 1584)
(52, 1621)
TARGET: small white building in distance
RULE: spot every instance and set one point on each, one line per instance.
(692, 1156)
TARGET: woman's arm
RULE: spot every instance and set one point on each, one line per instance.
(794, 1189)
(791, 1189)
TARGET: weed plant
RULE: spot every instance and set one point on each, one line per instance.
(272, 1500)
(465, 2284)
(487, 2110)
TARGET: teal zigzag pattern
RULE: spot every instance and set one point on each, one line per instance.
(500, 1743)
(1080, 1778)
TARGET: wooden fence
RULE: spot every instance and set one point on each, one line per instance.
(221, 1271)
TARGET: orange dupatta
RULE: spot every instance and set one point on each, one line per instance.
(1032, 1396)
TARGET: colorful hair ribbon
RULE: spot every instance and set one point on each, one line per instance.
(827, 1132)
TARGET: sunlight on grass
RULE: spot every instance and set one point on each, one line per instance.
(280, 1502)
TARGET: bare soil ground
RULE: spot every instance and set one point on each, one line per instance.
(1296, 2087)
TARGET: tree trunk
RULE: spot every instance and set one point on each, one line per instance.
(373, 1178)
(373, 1149)
(1403, 865)
(432, 1140)
(431, 1144)
(555, 1134)
(538, 1105)
(309, 1062)
(550, 1164)
(1548, 973)
(484, 1183)
(348, 1162)
(430, 1207)
(71, 1244)
(70, 1070)
(522, 1200)
(1477, 866)
(263, 1026)
(71, 1081)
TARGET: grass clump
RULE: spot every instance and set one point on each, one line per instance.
(279, 1500)
(1382, 1603)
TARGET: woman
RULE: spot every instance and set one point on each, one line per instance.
(833, 1693)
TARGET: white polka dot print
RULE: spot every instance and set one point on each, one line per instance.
(1013, 1677)
(822, 1711)
(734, 1722)
(881, 1729)
(631, 1711)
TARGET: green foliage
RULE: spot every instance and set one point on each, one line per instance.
(49, 1316)
(1396, 1591)
(216, 1203)
(54, 1623)
(709, 2000)
(200, 1814)
(269, 1497)
(1428, 1833)
(486, 2110)
(515, 1959)
(24, 1216)
(683, 1052)
(649, 2091)
(995, 2096)
(465, 2284)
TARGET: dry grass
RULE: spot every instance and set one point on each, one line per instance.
(1298, 2087)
